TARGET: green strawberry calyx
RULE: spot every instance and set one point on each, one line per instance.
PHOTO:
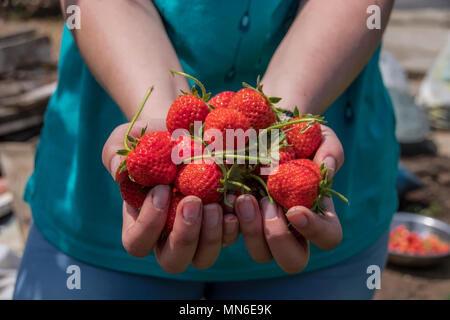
(231, 181)
(325, 191)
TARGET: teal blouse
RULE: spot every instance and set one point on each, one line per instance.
(76, 204)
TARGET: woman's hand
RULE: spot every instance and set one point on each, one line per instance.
(199, 231)
(265, 227)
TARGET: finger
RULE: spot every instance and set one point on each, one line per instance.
(210, 243)
(323, 230)
(330, 152)
(230, 230)
(231, 198)
(111, 160)
(140, 231)
(251, 226)
(290, 254)
(177, 252)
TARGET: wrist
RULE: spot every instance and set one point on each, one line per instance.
(292, 93)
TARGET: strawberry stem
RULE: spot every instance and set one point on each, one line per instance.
(239, 184)
(202, 87)
(234, 156)
(261, 181)
(337, 194)
(127, 134)
(308, 118)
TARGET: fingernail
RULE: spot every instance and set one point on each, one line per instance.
(191, 209)
(300, 220)
(270, 210)
(330, 164)
(246, 208)
(211, 215)
(231, 199)
(114, 166)
(160, 197)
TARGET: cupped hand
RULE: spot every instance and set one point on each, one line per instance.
(199, 231)
(265, 229)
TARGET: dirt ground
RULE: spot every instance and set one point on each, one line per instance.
(433, 200)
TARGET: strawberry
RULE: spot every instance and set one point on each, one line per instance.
(186, 147)
(200, 179)
(305, 137)
(184, 111)
(148, 160)
(150, 163)
(187, 108)
(171, 214)
(121, 173)
(300, 183)
(255, 107)
(222, 100)
(285, 155)
(132, 193)
(223, 119)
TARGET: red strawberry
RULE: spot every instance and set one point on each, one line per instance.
(285, 155)
(132, 193)
(188, 108)
(301, 182)
(295, 183)
(223, 119)
(201, 180)
(150, 163)
(184, 111)
(121, 175)
(171, 214)
(186, 147)
(304, 143)
(255, 107)
(222, 100)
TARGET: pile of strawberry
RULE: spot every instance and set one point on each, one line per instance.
(410, 242)
(297, 181)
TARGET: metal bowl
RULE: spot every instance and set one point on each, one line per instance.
(424, 226)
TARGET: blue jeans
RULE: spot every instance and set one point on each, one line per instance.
(42, 275)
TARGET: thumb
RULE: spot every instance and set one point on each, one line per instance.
(324, 231)
(111, 160)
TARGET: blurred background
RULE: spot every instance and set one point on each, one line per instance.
(415, 64)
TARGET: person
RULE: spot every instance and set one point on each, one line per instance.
(317, 55)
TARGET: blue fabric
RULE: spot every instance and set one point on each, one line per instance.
(407, 181)
(43, 275)
(77, 206)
